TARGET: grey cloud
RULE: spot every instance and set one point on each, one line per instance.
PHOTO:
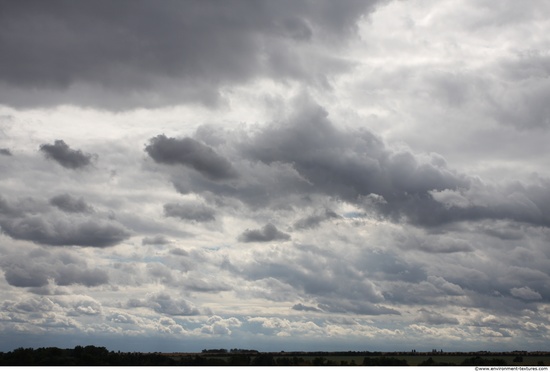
(70, 204)
(446, 286)
(283, 164)
(266, 234)
(5, 152)
(355, 307)
(73, 274)
(387, 266)
(190, 153)
(6, 209)
(519, 202)
(179, 252)
(82, 232)
(316, 275)
(155, 240)
(504, 231)
(346, 163)
(212, 285)
(31, 305)
(315, 220)
(38, 267)
(259, 185)
(353, 164)
(34, 221)
(525, 293)
(163, 303)
(445, 245)
(302, 307)
(19, 276)
(435, 318)
(161, 272)
(190, 211)
(138, 53)
(65, 156)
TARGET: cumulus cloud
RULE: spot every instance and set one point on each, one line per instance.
(266, 234)
(65, 156)
(217, 325)
(190, 153)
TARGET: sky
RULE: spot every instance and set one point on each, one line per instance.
(275, 175)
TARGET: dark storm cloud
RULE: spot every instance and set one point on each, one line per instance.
(190, 153)
(70, 204)
(190, 211)
(134, 49)
(267, 233)
(65, 156)
(5, 152)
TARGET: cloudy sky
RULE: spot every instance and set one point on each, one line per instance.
(275, 175)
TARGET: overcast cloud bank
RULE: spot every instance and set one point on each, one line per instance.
(355, 175)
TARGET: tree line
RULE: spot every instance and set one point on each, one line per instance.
(99, 356)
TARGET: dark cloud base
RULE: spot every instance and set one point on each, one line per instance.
(65, 156)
